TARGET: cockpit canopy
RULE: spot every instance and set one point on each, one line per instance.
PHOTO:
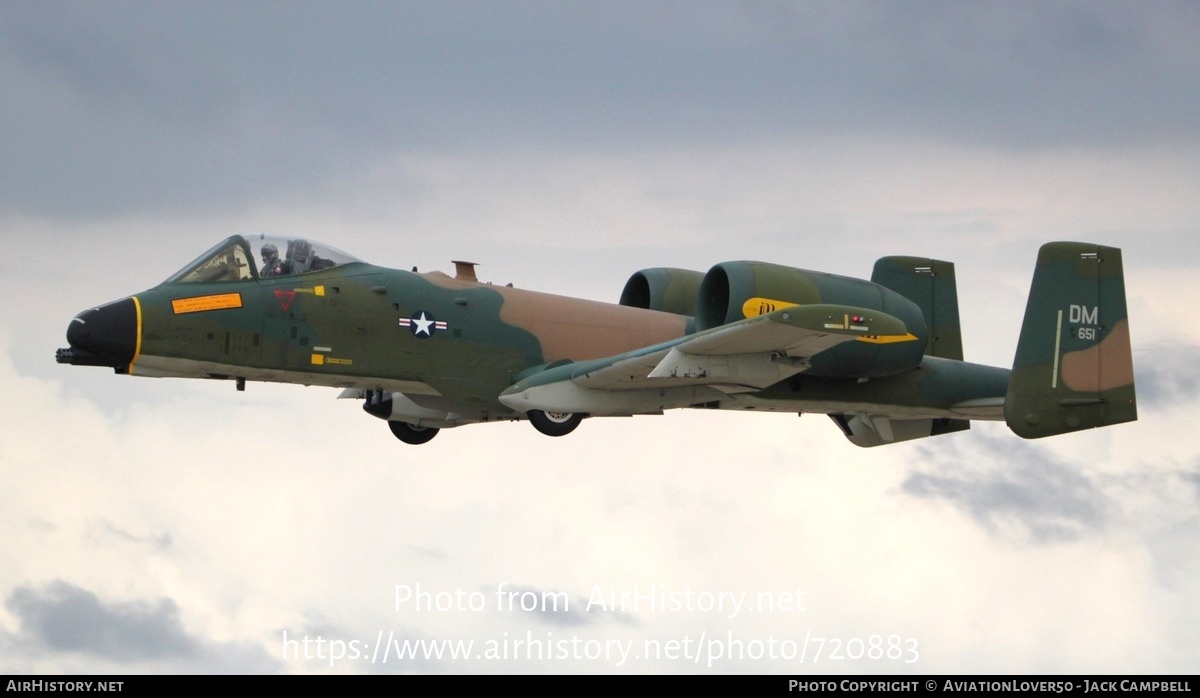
(241, 258)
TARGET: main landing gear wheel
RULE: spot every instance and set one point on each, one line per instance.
(554, 423)
(410, 434)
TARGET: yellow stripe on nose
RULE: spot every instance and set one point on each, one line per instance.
(137, 344)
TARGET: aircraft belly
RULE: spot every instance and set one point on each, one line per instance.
(898, 411)
(173, 367)
(939, 388)
(566, 396)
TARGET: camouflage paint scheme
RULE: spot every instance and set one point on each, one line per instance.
(425, 351)
(1074, 365)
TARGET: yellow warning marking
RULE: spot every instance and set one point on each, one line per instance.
(319, 290)
(754, 307)
(199, 304)
(888, 338)
(321, 360)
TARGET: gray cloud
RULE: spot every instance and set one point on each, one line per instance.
(138, 104)
(1167, 376)
(429, 552)
(64, 617)
(1013, 489)
(1192, 477)
(158, 543)
(61, 617)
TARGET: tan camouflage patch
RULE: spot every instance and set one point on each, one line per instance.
(1107, 365)
(570, 328)
(576, 329)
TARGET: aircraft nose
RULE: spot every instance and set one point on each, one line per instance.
(108, 332)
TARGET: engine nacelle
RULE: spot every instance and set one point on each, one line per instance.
(665, 289)
(732, 291)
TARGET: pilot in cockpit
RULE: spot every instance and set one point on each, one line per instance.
(272, 265)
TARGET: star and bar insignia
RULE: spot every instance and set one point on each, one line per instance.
(422, 324)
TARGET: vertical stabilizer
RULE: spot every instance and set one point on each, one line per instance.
(931, 285)
(1074, 365)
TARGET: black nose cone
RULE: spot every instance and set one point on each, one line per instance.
(109, 332)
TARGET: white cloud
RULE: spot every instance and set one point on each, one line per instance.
(283, 509)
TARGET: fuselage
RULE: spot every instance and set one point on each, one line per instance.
(371, 328)
(364, 327)
(883, 357)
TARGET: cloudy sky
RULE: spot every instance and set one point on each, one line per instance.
(159, 525)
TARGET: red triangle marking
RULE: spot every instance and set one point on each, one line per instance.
(285, 298)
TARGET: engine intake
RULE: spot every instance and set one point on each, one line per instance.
(663, 288)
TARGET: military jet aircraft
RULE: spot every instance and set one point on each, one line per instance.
(425, 351)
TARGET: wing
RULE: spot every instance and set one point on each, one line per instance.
(743, 356)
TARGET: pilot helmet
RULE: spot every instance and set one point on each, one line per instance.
(270, 252)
